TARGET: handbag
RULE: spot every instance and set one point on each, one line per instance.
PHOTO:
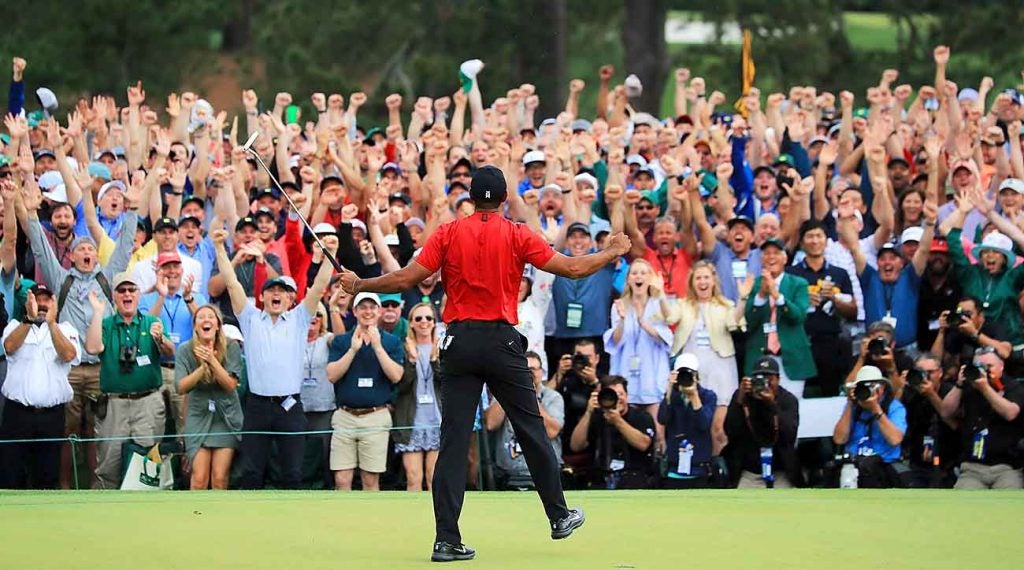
(147, 471)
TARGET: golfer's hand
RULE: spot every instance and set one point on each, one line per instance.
(348, 282)
(619, 244)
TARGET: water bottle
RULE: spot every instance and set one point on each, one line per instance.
(848, 476)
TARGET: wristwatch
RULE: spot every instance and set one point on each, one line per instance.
(876, 417)
(188, 300)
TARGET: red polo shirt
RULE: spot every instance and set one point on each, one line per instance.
(481, 259)
(674, 269)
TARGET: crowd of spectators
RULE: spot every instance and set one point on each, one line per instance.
(799, 260)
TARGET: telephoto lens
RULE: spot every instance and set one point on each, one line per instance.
(915, 377)
(608, 398)
(862, 391)
(685, 378)
(974, 372)
(758, 382)
(876, 347)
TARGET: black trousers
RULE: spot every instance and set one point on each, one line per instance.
(33, 465)
(832, 359)
(264, 413)
(492, 353)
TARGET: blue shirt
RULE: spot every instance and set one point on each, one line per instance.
(867, 439)
(729, 267)
(7, 289)
(682, 423)
(206, 255)
(274, 350)
(594, 293)
(365, 385)
(175, 316)
(112, 227)
(897, 299)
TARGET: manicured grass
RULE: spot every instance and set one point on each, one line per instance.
(817, 529)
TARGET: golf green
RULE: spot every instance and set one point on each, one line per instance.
(821, 529)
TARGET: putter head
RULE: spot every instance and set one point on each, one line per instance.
(248, 144)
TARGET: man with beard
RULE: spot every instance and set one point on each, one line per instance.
(165, 236)
(40, 352)
(764, 197)
(899, 174)
(391, 319)
(939, 293)
(130, 346)
(251, 264)
(73, 287)
(62, 220)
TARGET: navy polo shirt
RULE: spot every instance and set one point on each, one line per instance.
(365, 385)
(898, 299)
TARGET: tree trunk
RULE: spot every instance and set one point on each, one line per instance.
(643, 38)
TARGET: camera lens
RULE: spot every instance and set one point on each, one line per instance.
(973, 373)
(876, 347)
(580, 361)
(862, 391)
(758, 382)
(685, 378)
(915, 377)
(608, 398)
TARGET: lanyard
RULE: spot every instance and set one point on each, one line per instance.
(668, 272)
(888, 290)
(775, 425)
(171, 315)
(310, 352)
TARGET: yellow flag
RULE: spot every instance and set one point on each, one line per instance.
(747, 70)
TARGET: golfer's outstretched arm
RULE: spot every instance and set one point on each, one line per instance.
(584, 265)
(394, 282)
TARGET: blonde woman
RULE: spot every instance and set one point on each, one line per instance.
(207, 368)
(639, 339)
(417, 404)
(706, 322)
(317, 395)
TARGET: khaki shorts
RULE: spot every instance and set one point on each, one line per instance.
(360, 441)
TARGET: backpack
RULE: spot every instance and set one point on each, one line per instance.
(65, 288)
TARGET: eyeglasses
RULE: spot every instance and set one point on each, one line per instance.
(421, 318)
(316, 317)
(930, 371)
(390, 305)
(126, 290)
(645, 206)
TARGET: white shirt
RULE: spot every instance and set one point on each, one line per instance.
(144, 273)
(274, 351)
(36, 376)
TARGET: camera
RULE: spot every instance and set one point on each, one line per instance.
(915, 377)
(781, 180)
(759, 382)
(580, 361)
(863, 390)
(877, 347)
(964, 316)
(685, 378)
(608, 398)
(126, 359)
(974, 372)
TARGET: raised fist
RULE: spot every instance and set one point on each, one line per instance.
(606, 72)
(393, 101)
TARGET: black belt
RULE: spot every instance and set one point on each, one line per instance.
(167, 365)
(275, 399)
(133, 395)
(34, 409)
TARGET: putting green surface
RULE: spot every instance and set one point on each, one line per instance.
(820, 529)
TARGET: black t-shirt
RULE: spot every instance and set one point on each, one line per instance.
(767, 425)
(824, 319)
(924, 421)
(961, 347)
(575, 394)
(1003, 437)
(608, 446)
(930, 304)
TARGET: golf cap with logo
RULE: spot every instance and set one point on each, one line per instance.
(112, 185)
(280, 281)
(190, 220)
(41, 289)
(246, 221)
(766, 365)
(265, 212)
(366, 295)
(164, 223)
(1015, 184)
(122, 278)
(740, 220)
(774, 242)
(488, 184)
(167, 257)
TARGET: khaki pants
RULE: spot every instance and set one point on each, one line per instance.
(360, 441)
(142, 420)
(750, 480)
(176, 400)
(85, 382)
(981, 476)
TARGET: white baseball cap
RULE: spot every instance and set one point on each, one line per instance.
(58, 193)
(913, 233)
(49, 180)
(586, 178)
(232, 332)
(533, 156)
(364, 296)
(112, 185)
(325, 228)
(391, 239)
(1015, 184)
(687, 360)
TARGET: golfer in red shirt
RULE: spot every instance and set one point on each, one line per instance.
(481, 259)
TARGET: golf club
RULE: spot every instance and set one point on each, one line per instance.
(248, 148)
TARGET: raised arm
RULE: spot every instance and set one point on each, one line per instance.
(584, 265)
(316, 292)
(227, 273)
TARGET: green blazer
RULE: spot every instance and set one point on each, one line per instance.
(796, 357)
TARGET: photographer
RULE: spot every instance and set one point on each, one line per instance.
(871, 429)
(761, 424)
(966, 330)
(130, 346)
(878, 349)
(619, 438)
(987, 407)
(686, 412)
(930, 445)
(575, 381)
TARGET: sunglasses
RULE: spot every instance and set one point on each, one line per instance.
(390, 304)
(126, 290)
(421, 318)
(460, 175)
(645, 206)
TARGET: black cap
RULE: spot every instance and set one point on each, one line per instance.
(330, 179)
(488, 185)
(41, 289)
(292, 185)
(457, 184)
(766, 365)
(461, 162)
(577, 227)
(191, 219)
(888, 247)
(196, 199)
(246, 221)
(740, 220)
(401, 197)
(272, 192)
(774, 242)
(165, 223)
(265, 212)
(763, 167)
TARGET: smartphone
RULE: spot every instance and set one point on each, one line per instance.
(292, 114)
